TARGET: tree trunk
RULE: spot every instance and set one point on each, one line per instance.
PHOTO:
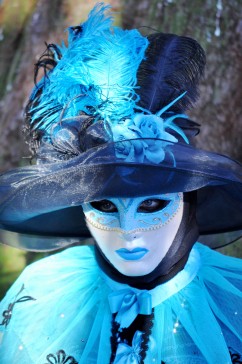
(25, 26)
(217, 26)
(26, 46)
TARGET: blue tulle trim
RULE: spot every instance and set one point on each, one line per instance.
(69, 313)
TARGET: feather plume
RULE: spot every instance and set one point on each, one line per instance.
(172, 65)
(95, 74)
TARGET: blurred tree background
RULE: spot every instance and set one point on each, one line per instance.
(25, 26)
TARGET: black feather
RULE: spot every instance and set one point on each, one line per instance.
(172, 65)
(47, 61)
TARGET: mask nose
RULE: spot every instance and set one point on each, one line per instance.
(127, 226)
(127, 222)
(127, 236)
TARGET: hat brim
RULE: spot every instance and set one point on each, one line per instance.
(45, 199)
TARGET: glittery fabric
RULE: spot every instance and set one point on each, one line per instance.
(33, 196)
(198, 322)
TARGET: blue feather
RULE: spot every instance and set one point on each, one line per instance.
(95, 75)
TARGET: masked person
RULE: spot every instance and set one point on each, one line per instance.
(115, 159)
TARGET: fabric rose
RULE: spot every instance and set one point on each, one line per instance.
(139, 139)
(151, 127)
(128, 146)
(145, 136)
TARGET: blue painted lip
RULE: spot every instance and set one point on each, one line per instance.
(134, 254)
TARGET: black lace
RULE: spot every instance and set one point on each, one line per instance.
(142, 323)
(60, 358)
(7, 314)
(235, 357)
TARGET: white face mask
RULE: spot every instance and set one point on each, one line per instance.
(135, 233)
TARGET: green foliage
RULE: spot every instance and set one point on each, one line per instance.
(234, 250)
(12, 262)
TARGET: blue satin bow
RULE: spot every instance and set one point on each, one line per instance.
(129, 354)
(128, 304)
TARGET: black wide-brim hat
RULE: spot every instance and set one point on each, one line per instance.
(74, 122)
(42, 203)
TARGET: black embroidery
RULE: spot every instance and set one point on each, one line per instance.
(7, 314)
(60, 358)
(235, 357)
(142, 323)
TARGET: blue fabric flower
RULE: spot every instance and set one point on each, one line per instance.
(137, 139)
(129, 354)
(150, 126)
(140, 137)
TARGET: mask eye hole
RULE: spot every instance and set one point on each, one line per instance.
(152, 205)
(104, 206)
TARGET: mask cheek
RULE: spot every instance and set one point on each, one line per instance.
(157, 241)
(98, 234)
(105, 239)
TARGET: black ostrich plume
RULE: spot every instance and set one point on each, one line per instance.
(172, 65)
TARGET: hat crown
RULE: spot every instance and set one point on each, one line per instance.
(106, 73)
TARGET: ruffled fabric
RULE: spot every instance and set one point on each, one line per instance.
(58, 312)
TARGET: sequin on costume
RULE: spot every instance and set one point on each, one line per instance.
(72, 312)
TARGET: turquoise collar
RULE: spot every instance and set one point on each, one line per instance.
(128, 301)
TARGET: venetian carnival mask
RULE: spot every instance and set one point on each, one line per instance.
(134, 234)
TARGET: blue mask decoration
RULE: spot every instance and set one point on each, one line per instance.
(134, 234)
(133, 214)
(128, 256)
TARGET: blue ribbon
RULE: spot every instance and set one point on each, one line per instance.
(128, 304)
(129, 354)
